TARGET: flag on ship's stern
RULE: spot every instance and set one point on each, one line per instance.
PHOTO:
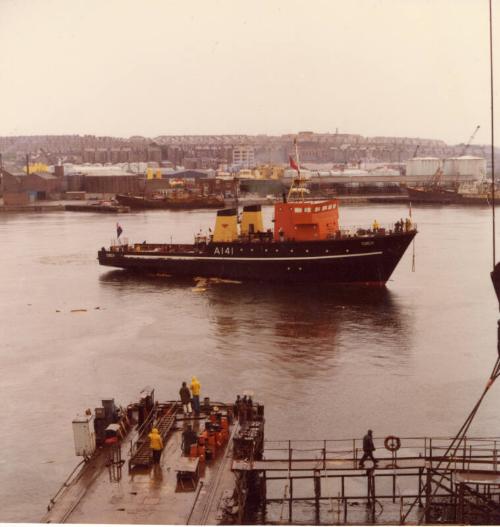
(119, 230)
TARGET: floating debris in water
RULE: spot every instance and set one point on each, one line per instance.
(78, 311)
(223, 281)
(201, 284)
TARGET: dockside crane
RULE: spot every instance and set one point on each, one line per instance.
(470, 140)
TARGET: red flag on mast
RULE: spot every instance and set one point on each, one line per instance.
(293, 164)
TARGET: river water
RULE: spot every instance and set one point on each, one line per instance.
(407, 360)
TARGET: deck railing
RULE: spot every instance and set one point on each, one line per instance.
(352, 231)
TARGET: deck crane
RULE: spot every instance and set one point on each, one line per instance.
(470, 140)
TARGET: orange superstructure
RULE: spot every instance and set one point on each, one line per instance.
(306, 221)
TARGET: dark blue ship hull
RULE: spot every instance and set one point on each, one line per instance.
(359, 259)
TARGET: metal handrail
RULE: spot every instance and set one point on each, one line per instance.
(140, 431)
(479, 450)
(66, 483)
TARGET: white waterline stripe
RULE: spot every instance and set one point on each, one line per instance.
(241, 258)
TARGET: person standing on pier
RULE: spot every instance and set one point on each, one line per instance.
(185, 395)
(156, 445)
(368, 448)
(236, 407)
(195, 390)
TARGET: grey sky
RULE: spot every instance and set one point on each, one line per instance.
(410, 67)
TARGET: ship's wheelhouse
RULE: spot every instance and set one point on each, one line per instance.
(306, 221)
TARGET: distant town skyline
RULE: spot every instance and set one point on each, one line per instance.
(414, 68)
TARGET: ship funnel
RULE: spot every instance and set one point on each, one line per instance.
(226, 226)
(251, 220)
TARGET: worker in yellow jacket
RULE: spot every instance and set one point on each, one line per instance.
(195, 390)
(156, 445)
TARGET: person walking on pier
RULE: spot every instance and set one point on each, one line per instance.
(185, 395)
(368, 448)
(195, 390)
(156, 445)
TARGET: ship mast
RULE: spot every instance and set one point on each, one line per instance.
(298, 185)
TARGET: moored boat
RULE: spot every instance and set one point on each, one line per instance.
(105, 206)
(470, 193)
(433, 191)
(477, 193)
(432, 194)
(170, 202)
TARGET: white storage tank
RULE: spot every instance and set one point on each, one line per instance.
(465, 167)
(84, 435)
(422, 166)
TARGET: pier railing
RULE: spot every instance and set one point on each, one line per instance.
(474, 451)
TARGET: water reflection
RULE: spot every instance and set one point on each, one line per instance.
(302, 328)
(307, 326)
(135, 282)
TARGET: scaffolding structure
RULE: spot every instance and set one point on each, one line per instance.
(320, 482)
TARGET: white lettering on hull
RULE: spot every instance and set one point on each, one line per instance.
(224, 250)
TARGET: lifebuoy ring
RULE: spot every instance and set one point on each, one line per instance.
(392, 443)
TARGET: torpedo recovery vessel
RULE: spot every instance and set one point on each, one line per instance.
(306, 245)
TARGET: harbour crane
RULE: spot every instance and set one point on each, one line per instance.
(470, 140)
(416, 151)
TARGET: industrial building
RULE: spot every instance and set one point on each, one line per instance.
(22, 189)
(455, 169)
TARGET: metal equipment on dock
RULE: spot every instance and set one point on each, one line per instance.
(162, 417)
